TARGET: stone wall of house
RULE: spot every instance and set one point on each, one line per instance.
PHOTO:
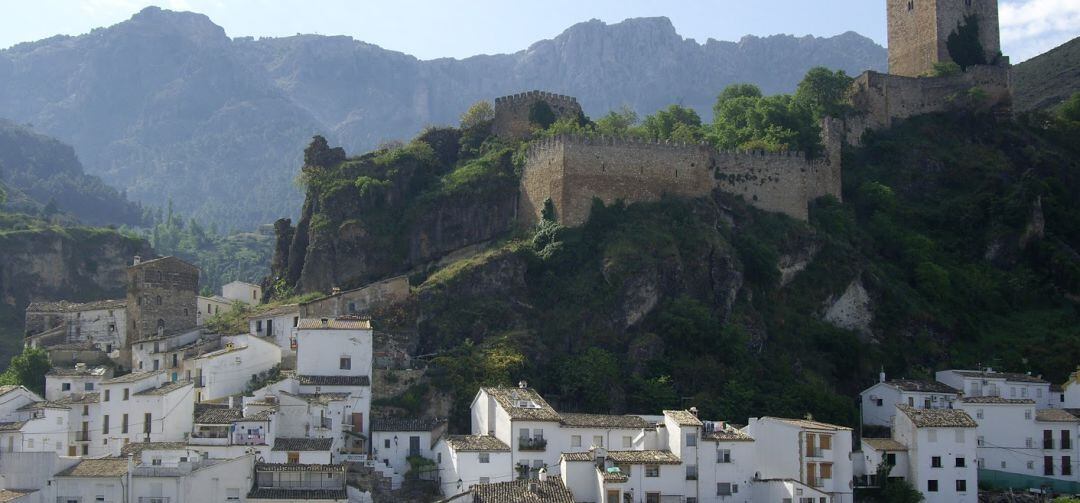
(919, 32)
(359, 301)
(571, 171)
(161, 298)
(512, 112)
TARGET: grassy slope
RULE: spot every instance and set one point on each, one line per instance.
(1047, 80)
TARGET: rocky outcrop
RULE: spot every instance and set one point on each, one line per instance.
(852, 310)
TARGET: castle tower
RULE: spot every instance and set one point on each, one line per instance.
(161, 297)
(919, 32)
(516, 115)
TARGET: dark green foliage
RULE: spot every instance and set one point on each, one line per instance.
(964, 46)
(548, 212)
(319, 154)
(676, 123)
(824, 93)
(28, 369)
(541, 114)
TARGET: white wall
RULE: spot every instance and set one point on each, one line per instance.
(54, 385)
(208, 307)
(284, 328)
(891, 396)
(306, 457)
(396, 452)
(948, 444)
(243, 292)
(107, 489)
(467, 467)
(213, 483)
(227, 374)
(319, 352)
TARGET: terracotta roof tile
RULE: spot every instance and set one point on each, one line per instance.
(132, 377)
(1056, 416)
(683, 417)
(297, 467)
(921, 386)
(518, 491)
(884, 444)
(136, 448)
(302, 444)
(1008, 376)
(334, 324)
(7, 495)
(651, 457)
(811, 424)
(404, 423)
(938, 418)
(312, 380)
(512, 399)
(104, 467)
(571, 420)
(164, 389)
(219, 416)
(274, 493)
(476, 443)
(997, 400)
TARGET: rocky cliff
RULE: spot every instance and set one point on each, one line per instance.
(165, 105)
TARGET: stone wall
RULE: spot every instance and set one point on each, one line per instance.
(881, 99)
(918, 35)
(358, 301)
(571, 171)
(512, 112)
(161, 298)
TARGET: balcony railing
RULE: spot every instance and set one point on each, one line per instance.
(1048, 444)
(82, 436)
(816, 482)
(245, 439)
(210, 434)
(816, 452)
(532, 444)
(325, 423)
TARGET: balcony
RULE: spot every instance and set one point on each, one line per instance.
(1048, 444)
(245, 439)
(532, 444)
(1066, 444)
(325, 423)
(82, 436)
(817, 452)
(816, 482)
(199, 382)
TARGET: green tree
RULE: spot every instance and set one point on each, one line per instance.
(664, 123)
(824, 93)
(479, 113)
(548, 213)
(584, 379)
(617, 122)
(946, 69)
(27, 369)
(541, 114)
(964, 45)
(1070, 111)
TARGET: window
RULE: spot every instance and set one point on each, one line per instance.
(155, 462)
(691, 439)
(438, 458)
(1066, 465)
(258, 325)
(106, 395)
(124, 424)
(979, 414)
(1004, 465)
(627, 442)
(575, 441)
(826, 471)
(105, 424)
(146, 422)
(1030, 465)
(293, 457)
(691, 472)
(484, 457)
(232, 494)
(961, 486)
(890, 458)
(652, 497)
(926, 403)
(961, 463)
(86, 410)
(65, 386)
(979, 440)
(723, 489)
(345, 363)
(723, 455)
(1027, 414)
(127, 393)
(598, 441)
(652, 471)
(88, 386)
(911, 401)
(935, 462)
(911, 5)
(1023, 393)
(931, 486)
(1066, 440)
(1029, 443)
(879, 402)
(1048, 465)
(825, 441)
(386, 443)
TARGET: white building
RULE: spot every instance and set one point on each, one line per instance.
(159, 473)
(305, 451)
(877, 453)
(334, 356)
(878, 402)
(247, 293)
(145, 407)
(298, 483)
(279, 324)
(208, 307)
(975, 383)
(1069, 396)
(167, 352)
(467, 460)
(395, 439)
(522, 419)
(102, 323)
(230, 370)
(821, 462)
(941, 452)
(61, 382)
(224, 432)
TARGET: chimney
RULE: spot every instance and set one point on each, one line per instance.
(80, 366)
(881, 375)
(137, 260)
(325, 322)
(534, 488)
(542, 476)
(230, 402)
(523, 384)
(694, 411)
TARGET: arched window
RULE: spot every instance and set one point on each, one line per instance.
(160, 324)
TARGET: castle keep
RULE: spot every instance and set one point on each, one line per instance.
(513, 113)
(919, 31)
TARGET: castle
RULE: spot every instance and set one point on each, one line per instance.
(570, 171)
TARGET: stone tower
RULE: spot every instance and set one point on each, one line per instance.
(919, 31)
(161, 297)
(512, 113)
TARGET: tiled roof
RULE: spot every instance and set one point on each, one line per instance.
(220, 352)
(651, 457)
(997, 400)
(7, 388)
(310, 380)
(321, 398)
(136, 448)
(727, 434)
(64, 306)
(275, 312)
(164, 389)
(7, 495)
(811, 424)
(73, 372)
(273, 493)
(1056, 416)
(578, 456)
(602, 421)
(43, 405)
(683, 417)
(12, 426)
(262, 415)
(509, 398)
(405, 423)
(938, 418)
(302, 444)
(297, 467)
(1008, 376)
(616, 477)
(884, 444)
(219, 416)
(334, 324)
(104, 467)
(77, 399)
(518, 491)
(475, 443)
(132, 377)
(921, 386)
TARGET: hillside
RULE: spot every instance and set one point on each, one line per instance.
(166, 106)
(37, 170)
(956, 246)
(1049, 79)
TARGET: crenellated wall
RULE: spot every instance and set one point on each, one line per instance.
(572, 170)
(512, 112)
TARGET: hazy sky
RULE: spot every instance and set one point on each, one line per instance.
(460, 28)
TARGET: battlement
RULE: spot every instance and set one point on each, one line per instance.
(543, 145)
(512, 113)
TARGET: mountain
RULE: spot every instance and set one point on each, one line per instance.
(166, 106)
(1049, 79)
(37, 170)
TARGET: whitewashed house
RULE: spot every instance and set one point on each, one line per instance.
(167, 352)
(523, 420)
(61, 382)
(395, 439)
(208, 307)
(988, 382)
(878, 402)
(1069, 396)
(582, 432)
(306, 451)
(223, 432)
(876, 454)
(248, 293)
(941, 452)
(279, 324)
(163, 477)
(230, 370)
(101, 323)
(37, 427)
(145, 407)
(821, 463)
(13, 397)
(298, 483)
(100, 480)
(334, 356)
(466, 460)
